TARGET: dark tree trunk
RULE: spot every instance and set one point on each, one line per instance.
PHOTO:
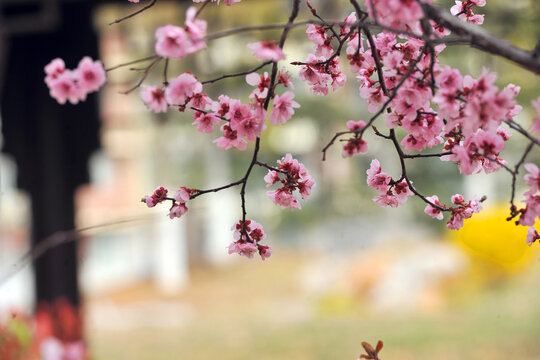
(51, 143)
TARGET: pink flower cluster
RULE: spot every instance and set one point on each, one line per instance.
(392, 193)
(461, 211)
(464, 9)
(318, 75)
(178, 207)
(295, 177)
(176, 43)
(355, 145)
(247, 237)
(399, 14)
(74, 85)
(243, 122)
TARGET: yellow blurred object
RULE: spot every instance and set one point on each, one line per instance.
(489, 236)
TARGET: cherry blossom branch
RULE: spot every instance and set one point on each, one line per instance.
(242, 73)
(416, 156)
(376, 57)
(206, 2)
(405, 176)
(517, 127)
(165, 68)
(144, 76)
(331, 142)
(269, 167)
(385, 105)
(330, 27)
(481, 39)
(151, 57)
(202, 192)
(152, 3)
(207, 112)
(513, 209)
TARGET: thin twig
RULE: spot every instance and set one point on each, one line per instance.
(143, 77)
(152, 3)
(60, 238)
(405, 176)
(151, 57)
(238, 74)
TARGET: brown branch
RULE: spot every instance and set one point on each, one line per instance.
(143, 77)
(514, 176)
(517, 127)
(206, 2)
(375, 56)
(416, 156)
(152, 3)
(481, 39)
(331, 142)
(406, 177)
(151, 57)
(237, 74)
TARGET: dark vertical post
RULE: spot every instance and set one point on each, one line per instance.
(50, 142)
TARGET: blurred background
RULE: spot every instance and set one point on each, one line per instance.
(343, 271)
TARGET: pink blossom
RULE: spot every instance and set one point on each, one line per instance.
(376, 178)
(157, 197)
(284, 198)
(532, 178)
(402, 191)
(264, 251)
(433, 211)
(238, 112)
(316, 33)
(532, 236)
(457, 199)
(177, 210)
(248, 245)
(243, 248)
(201, 102)
(196, 29)
(449, 80)
(182, 88)
(134, 1)
(154, 98)
(284, 78)
(65, 88)
(283, 108)
(171, 42)
(462, 211)
(248, 127)
(411, 142)
(53, 70)
(296, 177)
(387, 200)
(230, 139)
(182, 195)
(271, 178)
(354, 146)
(356, 125)
(90, 75)
(205, 122)
(266, 50)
